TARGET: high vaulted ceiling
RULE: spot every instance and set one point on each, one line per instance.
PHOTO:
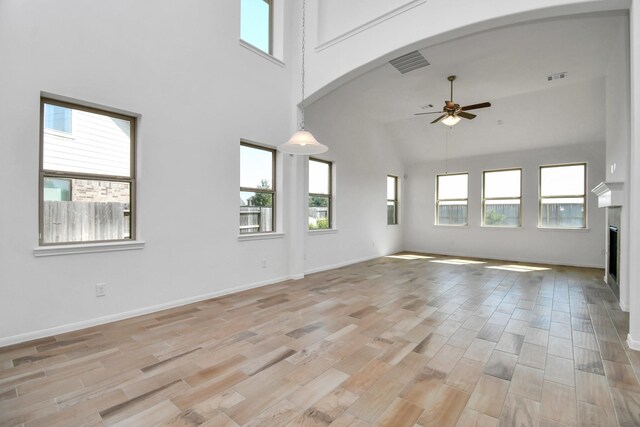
(508, 67)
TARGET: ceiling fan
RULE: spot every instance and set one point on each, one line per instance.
(453, 112)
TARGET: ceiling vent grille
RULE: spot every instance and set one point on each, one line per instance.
(409, 62)
(557, 76)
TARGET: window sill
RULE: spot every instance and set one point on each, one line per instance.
(451, 225)
(261, 53)
(499, 227)
(259, 236)
(569, 229)
(85, 248)
(320, 232)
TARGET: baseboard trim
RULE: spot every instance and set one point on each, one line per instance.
(70, 327)
(341, 264)
(512, 259)
(633, 344)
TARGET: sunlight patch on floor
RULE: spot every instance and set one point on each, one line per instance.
(409, 256)
(458, 261)
(518, 268)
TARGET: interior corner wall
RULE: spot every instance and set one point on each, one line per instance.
(528, 243)
(197, 91)
(362, 158)
(618, 139)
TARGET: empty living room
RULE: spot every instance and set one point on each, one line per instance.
(320, 213)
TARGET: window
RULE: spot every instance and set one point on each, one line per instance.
(257, 189)
(502, 198)
(256, 23)
(562, 196)
(452, 194)
(87, 175)
(392, 200)
(319, 194)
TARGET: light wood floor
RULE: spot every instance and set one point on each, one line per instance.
(393, 341)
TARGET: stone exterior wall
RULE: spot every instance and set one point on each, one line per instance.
(83, 190)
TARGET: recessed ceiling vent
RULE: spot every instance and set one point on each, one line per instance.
(409, 62)
(557, 76)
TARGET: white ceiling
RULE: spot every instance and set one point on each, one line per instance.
(509, 68)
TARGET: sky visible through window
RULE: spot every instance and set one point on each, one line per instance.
(453, 186)
(318, 177)
(255, 167)
(502, 184)
(254, 23)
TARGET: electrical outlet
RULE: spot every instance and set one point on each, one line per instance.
(264, 263)
(101, 289)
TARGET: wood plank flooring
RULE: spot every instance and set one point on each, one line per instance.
(415, 340)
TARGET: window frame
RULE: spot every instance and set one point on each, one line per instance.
(42, 173)
(329, 196)
(582, 196)
(484, 198)
(271, 18)
(271, 191)
(395, 201)
(438, 200)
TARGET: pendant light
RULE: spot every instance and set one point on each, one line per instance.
(302, 142)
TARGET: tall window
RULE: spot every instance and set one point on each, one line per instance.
(256, 23)
(452, 194)
(87, 174)
(392, 200)
(319, 194)
(257, 189)
(563, 196)
(502, 198)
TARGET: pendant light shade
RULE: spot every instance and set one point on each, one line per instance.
(302, 143)
(450, 120)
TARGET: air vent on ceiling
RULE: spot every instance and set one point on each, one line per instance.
(557, 76)
(409, 62)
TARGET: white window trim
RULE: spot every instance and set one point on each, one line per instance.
(322, 231)
(261, 53)
(84, 248)
(260, 236)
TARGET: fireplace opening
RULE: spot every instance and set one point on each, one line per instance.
(613, 252)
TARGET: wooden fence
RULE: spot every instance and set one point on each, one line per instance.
(84, 221)
(255, 219)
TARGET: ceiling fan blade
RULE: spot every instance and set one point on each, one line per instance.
(430, 112)
(476, 106)
(439, 118)
(466, 115)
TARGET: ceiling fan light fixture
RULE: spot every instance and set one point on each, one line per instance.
(450, 120)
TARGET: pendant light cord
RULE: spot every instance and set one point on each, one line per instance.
(446, 152)
(303, 51)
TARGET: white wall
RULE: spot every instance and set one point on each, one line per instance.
(180, 67)
(197, 91)
(618, 106)
(428, 23)
(363, 157)
(529, 243)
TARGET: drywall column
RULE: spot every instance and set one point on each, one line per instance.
(634, 182)
(297, 185)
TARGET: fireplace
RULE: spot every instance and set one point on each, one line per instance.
(611, 195)
(613, 250)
